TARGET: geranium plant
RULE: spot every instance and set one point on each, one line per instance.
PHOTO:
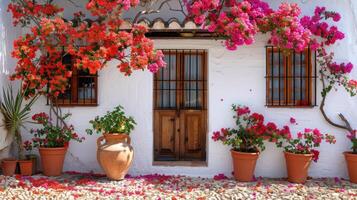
(306, 142)
(248, 136)
(113, 122)
(52, 135)
(353, 138)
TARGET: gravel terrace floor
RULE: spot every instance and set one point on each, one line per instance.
(73, 185)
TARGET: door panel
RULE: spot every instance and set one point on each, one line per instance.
(165, 135)
(193, 126)
(180, 106)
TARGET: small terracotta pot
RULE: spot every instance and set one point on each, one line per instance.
(115, 155)
(9, 166)
(244, 165)
(33, 158)
(351, 160)
(297, 166)
(25, 167)
(52, 160)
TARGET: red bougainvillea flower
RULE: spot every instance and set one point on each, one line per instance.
(219, 177)
(91, 44)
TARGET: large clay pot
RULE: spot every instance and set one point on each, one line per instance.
(115, 155)
(9, 166)
(244, 165)
(351, 160)
(52, 160)
(25, 167)
(297, 166)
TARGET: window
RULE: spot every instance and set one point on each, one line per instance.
(183, 82)
(290, 79)
(82, 88)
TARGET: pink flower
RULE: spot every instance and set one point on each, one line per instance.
(292, 120)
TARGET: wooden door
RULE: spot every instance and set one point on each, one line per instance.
(180, 114)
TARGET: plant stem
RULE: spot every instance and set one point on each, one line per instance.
(20, 148)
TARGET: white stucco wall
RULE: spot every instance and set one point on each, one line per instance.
(7, 34)
(234, 77)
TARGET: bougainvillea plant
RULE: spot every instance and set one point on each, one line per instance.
(250, 131)
(306, 142)
(52, 135)
(238, 21)
(95, 42)
(92, 43)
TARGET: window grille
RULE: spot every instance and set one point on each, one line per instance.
(290, 78)
(182, 83)
(82, 88)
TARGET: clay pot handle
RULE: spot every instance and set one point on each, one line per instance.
(128, 139)
(99, 140)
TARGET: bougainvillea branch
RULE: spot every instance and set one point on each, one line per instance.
(96, 42)
(238, 21)
(91, 43)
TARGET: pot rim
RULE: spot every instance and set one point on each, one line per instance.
(299, 154)
(22, 161)
(246, 153)
(349, 153)
(9, 160)
(52, 148)
(115, 134)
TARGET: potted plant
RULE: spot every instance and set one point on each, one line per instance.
(351, 157)
(246, 140)
(52, 140)
(300, 151)
(28, 146)
(16, 114)
(116, 154)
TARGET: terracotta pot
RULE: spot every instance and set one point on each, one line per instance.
(115, 155)
(33, 158)
(9, 166)
(52, 160)
(244, 165)
(25, 167)
(351, 160)
(297, 166)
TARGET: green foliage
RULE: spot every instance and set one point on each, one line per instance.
(113, 122)
(53, 135)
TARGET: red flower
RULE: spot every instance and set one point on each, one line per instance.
(292, 120)
(216, 136)
(242, 111)
(315, 155)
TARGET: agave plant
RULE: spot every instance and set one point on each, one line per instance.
(16, 112)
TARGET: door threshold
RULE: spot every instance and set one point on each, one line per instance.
(181, 163)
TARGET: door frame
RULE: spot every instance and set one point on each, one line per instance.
(204, 110)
